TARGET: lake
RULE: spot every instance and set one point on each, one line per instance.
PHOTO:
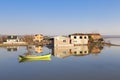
(76, 63)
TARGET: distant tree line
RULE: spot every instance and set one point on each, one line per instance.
(28, 39)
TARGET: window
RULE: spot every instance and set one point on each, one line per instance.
(64, 40)
(85, 37)
(80, 37)
(75, 52)
(85, 52)
(70, 41)
(75, 37)
(80, 51)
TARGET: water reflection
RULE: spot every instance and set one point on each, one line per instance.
(32, 54)
(12, 48)
(33, 50)
(38, 49)
(36, 52)
(83, 50)
(83, 67)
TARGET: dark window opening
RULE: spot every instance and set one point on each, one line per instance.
(75, 52)
(80, 51)
(70, 41)
(75, 37)
(80, 37)
(64, 40)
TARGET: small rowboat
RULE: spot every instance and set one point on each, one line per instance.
(31, 58)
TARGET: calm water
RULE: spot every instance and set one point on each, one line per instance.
(77, 63)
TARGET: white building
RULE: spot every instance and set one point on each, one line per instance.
(13, 39)
(79, 39)
(38, 37)
(62, 41)
(72, 40)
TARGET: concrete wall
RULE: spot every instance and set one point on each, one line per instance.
(79, 39)
(62, 41)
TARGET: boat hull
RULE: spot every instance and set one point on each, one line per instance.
(34, 58)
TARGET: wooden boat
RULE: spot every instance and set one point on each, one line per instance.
(31, 58)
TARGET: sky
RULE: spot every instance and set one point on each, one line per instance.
(59, 17)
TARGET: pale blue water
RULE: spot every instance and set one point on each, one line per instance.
(100, 66)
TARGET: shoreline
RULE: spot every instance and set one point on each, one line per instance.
(4, 45)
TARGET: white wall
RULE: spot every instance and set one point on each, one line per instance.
(79, 40)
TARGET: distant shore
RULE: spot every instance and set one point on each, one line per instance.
(4, 45)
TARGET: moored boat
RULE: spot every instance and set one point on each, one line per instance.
(34, 58)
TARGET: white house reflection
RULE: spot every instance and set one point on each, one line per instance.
(83, 50)
(12, 48)
(31, 49)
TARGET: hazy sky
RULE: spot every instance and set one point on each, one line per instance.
(59, 17)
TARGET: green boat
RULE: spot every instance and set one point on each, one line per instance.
(31, 58)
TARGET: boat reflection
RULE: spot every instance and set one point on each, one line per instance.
(83, 50)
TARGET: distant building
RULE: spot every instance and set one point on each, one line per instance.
(13, 39)
(38, 38)
(62, 41)
(72, 40)
(79, 39)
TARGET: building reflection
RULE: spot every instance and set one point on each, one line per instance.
(83, 50)
(12, 48)
(38, 49)
(32, 50)
(95, 49)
